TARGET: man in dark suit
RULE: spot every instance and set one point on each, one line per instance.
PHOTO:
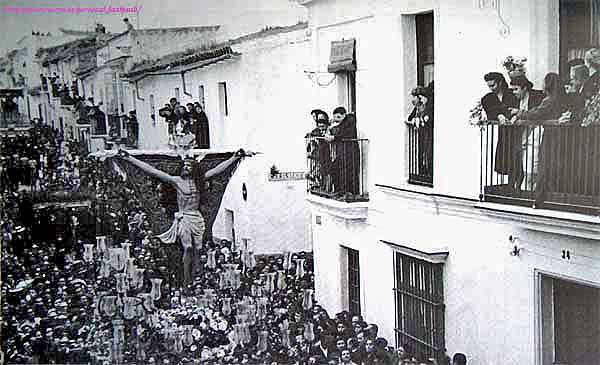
(346, 164)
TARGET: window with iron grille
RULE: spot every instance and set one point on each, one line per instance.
(353, 281)
(419, 299)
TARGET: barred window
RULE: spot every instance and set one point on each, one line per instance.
(353, 281)
(419, 297)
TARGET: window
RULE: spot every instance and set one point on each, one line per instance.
(579, 24)
(419, 297)
(122, 93)
(420, 140)
(201, 96)
(353, 281)
(177, 94)
(133, 99)
(223, 98)
(425, 53)
(346, 83)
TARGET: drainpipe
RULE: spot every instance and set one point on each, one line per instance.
(183, 82)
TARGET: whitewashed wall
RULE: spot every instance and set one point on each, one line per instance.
(268, 113)
(490, 295)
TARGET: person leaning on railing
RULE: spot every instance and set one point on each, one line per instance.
(528, 99)
(550, 108)
(345, 166)
(318, 150)
(496, 104)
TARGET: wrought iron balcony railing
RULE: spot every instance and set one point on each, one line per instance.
(13, 120)
(337, 170)
(541, 164)
(420, 155)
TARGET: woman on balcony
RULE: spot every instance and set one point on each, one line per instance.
(550, 108)
(496, 104)
(528, 99)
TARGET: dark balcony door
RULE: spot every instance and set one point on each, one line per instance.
(579, 30)
(420, 139)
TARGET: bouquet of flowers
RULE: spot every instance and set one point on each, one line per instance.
(514, 66)
(477, 115)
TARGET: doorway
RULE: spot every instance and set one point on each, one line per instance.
(570, 322)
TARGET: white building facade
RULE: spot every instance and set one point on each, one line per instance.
(253, 89)
(432, 262)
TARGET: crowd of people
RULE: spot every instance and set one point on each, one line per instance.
(334, 154)
(51, 293)
(189, 119)
(529, 155)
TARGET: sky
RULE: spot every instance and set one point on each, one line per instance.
(248, 14)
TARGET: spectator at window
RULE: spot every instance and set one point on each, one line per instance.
(421, 118)
(202, 138)
(319, 153)
(496, 104)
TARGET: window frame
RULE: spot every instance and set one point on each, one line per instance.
(353, 282)
(419, 300)
(223, 98)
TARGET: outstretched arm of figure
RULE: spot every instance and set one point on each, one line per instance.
(147, 168)
(220, 168)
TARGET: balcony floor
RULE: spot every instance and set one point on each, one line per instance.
(566, 202)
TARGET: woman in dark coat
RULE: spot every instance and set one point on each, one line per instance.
(551, 108)
(496, 104)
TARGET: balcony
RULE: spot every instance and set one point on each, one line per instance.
(420, 155)
(337, 170)
(13, 120)
(542, 165)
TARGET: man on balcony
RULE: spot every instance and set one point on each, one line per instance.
(346, 155)
(319, 152)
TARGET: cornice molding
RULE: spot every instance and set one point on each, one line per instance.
(348, 211)
(570, 224)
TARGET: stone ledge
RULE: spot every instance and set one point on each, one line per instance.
(347, 211)
(571, 224)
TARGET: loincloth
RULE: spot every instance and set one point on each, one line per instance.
(185, 224)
